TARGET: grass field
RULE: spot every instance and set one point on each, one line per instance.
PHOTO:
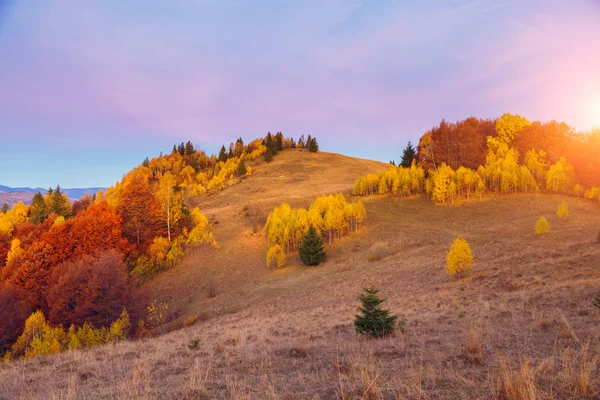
(521, 326)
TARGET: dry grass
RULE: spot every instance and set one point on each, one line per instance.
(288, 334)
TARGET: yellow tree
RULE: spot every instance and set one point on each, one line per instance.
(561, 176)
(202, 233)
(459, 259)
(542, 226)
(510, 125)
(166, 195)
(275, 257)
(563, 210)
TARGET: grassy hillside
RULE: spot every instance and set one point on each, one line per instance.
(288, 334)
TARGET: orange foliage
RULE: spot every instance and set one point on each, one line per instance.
(91, 290)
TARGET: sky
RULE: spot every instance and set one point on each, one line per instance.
(88, 89)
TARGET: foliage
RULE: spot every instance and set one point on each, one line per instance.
(16, 305)
(91, 290)
(399, 181)
(275, 257)
(158, 314)
(373, 320)
(542, 226)
(459, 259)
(202, 232)
(563, 210)
(331, 215)
(311, 252)
(241, 169)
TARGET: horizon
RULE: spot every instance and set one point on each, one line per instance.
(97, 87)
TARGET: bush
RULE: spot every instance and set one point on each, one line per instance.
(311, 251)
(378, 251)
(374, 321)
(542, 226)
(563, 210)
(459, 259)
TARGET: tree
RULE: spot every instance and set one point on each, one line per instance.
(459, 259)
(39, 209)
(373, 321)
(139, 210)
(60, 204)
(275, 257)
(268, 157)
(241, 169)
(91, 290)
(222, 154)
(16, 305)
(563, 210)
(312, 145)
(4, 208)
(542, 226)
(279, 141)
(408, 155)
(311, 251)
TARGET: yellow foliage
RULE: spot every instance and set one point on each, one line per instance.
(563, 210)
(593, 193)
(59, 220)
(6, 225)
(560, 177)
(275, 257)
(120, 328)
(542, 226)
(399, 181)
(158, 314)
(14, 252)
(202, 233)
(459, 259)
(38, 338)
(158, 250)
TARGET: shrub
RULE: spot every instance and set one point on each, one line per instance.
(373, 321)
(378, 251)
(542, 226)
(459, 259)
(311, 251)
(563, 210)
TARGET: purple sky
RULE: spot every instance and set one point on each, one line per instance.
(90, 88)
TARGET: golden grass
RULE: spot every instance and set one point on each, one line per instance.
(289, 335)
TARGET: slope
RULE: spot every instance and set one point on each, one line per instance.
(289, 334)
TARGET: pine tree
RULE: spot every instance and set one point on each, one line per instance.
(4, 208)
(146, 162)
(301, 143)
(39, 209)
(222, 154)
(311, 251)
(59, 204)
(271, 144)
(374, 321)
(241, 169)
(189, 148)
(268, 157)
(312, 144)
(408, 155)
(279, 141)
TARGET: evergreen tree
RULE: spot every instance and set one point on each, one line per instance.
(181, 149)
(408, 155)
(39, 209)
(311, 252)
(59, 204)
(268, 157)
(308, 140)
(174, 150)
(271, 144)
(292, 143)
(374, 321)
(146, 162)
(4, 209)
(222, 154)
(301, 144)
(230, 152)
(241, 169)
(312, 144)
(189, 148)
(279, 141)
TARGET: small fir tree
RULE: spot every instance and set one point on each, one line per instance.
(542, 226)
(4, 208)
(563, 210)
(373, 321)
(459, 259)
(311, 251)
(241, 169)
(408, 155)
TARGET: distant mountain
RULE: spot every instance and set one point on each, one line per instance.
(12, 195)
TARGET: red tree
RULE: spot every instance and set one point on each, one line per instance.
(16, 305)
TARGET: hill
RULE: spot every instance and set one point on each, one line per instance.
(25, 194)
(288, 334)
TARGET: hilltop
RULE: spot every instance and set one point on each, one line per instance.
(289, 333)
